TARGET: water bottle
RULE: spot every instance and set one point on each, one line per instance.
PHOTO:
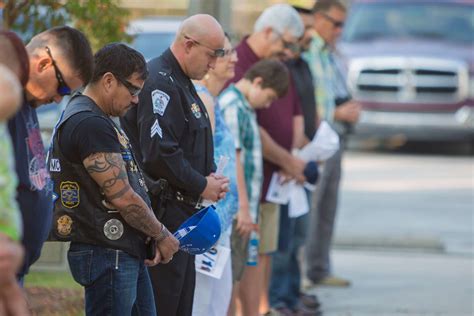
(252, 254)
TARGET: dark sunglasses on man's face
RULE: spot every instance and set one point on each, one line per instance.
(132, 89)
(63, 88)
(335, 23)
(219, 52)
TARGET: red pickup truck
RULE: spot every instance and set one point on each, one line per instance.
(411, 65)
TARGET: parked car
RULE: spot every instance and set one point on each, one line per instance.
(411, 65)
(154, 34)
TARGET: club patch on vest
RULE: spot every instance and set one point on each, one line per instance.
(160, 101)
(196, 110)
(64, 225)
(54, 165)
(69, 194)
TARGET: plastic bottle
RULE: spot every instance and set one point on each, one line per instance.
(252, 254)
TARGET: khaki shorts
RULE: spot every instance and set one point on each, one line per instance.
(239, 253)
(269, 224)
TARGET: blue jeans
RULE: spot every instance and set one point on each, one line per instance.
(285, 277)
(115, 283)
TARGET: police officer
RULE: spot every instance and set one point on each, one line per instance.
(101, 202)
(171, 131)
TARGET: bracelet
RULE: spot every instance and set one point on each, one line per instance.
(164, 233)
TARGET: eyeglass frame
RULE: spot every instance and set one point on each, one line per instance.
(132, 89)
(293, 47)
(219, 52)
(63, 89)
(335, 23)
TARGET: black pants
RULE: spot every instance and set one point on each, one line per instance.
(174, 282)
(173, 285)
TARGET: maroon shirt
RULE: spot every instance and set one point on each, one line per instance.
(276, 120)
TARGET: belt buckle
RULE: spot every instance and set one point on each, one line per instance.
(198, 204)
(179, 196)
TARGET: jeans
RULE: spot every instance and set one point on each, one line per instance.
(323, 217)
(115, 283)
(285, 276)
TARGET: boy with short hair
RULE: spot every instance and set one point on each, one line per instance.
(265, 82)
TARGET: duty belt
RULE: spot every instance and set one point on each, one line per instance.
(172, 194)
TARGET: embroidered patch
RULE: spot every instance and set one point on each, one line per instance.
(160, 101)
(64, 226)
(54, 165)
(69, 194)
(196, 110)
(156, 129)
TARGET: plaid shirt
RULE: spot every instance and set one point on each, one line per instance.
(323, 69)
(242, 122)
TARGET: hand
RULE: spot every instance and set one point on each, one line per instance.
(295, 169)
(348, 112)
(245, 225)
(166, 245)
(12, 300)
(11, 257)
(216, 188)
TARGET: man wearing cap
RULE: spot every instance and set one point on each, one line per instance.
(171, 132)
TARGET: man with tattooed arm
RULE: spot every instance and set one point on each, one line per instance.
(101, 203)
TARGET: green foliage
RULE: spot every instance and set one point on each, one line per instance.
(103, 21)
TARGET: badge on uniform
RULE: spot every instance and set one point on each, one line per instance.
(156, 129)
(196, 110)
(113, 229)
(69, 194)
(160, 101)
(54, 165)
(64, 225)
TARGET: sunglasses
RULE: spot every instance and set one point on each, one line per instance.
(335, 23)
(133, 90)
(220, 52)
(63, 88)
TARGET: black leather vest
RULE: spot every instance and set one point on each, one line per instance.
(81, 213)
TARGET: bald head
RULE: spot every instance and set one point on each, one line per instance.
(202, 27)
(14, 55)
(200, 40)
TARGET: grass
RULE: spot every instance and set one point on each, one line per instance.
(48, 279)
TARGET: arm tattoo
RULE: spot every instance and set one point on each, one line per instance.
(143, 220)
(164, 233)
(114, 166)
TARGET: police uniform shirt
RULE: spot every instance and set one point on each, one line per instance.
(170, 129)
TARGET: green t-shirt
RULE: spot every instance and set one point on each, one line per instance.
(10, 218)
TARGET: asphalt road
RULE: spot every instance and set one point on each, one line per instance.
(404, 235)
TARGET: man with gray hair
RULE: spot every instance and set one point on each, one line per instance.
(276, 34)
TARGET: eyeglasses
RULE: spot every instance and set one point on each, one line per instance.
(63, 88)
(335, 23)
(293, 47)
(219, 52)
(230, 52)
(132, 89)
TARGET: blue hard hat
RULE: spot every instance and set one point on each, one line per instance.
(199, 232)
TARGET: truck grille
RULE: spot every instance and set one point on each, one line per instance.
(408, 80)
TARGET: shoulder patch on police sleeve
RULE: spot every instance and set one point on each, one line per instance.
(156, 129)
(160, 101)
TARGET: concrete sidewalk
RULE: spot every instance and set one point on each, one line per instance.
(395, 284)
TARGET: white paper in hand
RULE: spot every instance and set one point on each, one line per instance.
(278, 192)
(324, 144)
(213, 261)
(298, 205)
